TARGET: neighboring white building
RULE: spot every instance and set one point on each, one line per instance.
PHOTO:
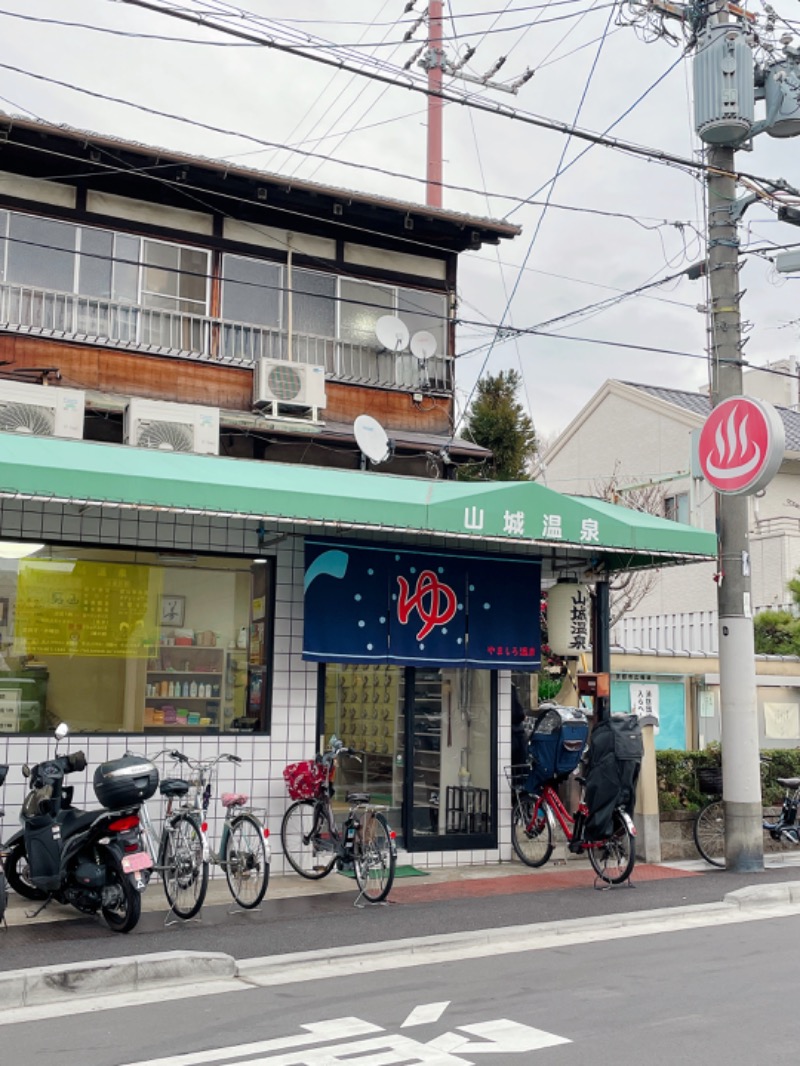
(639, 435)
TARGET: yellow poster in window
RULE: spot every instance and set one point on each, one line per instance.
(81, 608)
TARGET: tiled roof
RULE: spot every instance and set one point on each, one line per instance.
(700, 405)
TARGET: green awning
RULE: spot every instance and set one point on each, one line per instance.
(522, 514)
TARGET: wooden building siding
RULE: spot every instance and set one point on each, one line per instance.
(198, 381)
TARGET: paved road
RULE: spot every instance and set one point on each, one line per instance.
(711, 994)
(418, 907)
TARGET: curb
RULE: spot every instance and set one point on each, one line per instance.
(48, 984)
(44, 985)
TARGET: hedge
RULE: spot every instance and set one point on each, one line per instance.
(677, 776)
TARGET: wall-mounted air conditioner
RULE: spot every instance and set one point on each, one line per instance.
(41, 410)
(172, 427)
(289, 388)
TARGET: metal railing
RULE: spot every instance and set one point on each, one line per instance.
(95, 320)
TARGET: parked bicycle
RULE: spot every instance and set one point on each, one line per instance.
(184, 853)
(557, 747)
(709, 823)
(533, 828)
(314, 843)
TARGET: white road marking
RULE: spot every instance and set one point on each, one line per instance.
(498, 1036)
(425, 1013)
(316, 1033)
(349, 1040)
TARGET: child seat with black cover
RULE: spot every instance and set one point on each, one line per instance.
(612, 772)
(556, 745)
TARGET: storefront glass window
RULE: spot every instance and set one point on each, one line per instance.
(426, 738)
(120, 641)
(363, 708)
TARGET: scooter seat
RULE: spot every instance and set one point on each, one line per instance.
(75, 821)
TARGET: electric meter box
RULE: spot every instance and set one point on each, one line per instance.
(724, 93)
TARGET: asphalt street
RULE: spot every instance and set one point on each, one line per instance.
(715, 993)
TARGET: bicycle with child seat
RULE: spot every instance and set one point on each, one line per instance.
(184, 853)
(709, 823)
(314, 842)
(533, 828)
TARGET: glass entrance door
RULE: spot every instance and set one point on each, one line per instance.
(450, 761)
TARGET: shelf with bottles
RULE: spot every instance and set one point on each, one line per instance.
(187, 659)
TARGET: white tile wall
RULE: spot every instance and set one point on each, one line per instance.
(294, 694)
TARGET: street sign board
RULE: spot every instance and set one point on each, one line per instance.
(741, 446)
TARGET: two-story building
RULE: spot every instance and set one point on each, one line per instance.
(201, 545)
(630, 436)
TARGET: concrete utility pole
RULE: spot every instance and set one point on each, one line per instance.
(726, 87)
(744, 837)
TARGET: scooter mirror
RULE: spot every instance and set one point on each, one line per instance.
(26, 770)
(62, 731)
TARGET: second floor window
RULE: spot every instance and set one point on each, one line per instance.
(676, 507)
(121, 288)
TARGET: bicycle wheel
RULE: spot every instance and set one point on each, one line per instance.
(613, 859)
(709, 832)
(183, 870)
(245, 860)
(374, 857)
(531, 835)
(310, 852)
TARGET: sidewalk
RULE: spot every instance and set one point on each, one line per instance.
(437, 883)
(442, 883)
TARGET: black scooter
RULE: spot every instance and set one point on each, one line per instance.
(93, 860)
(3, 885)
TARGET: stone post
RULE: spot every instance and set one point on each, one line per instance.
(646, 815)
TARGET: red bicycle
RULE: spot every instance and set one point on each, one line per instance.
(533, 828)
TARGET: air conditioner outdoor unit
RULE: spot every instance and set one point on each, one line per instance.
(286, 387)
(172, 427)
(41, 410)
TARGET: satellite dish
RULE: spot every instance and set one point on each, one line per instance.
(392, 333)
(423, 345)
(372, 439)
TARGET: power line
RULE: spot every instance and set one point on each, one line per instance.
(540, 220)
(468, 100)
(112, 31)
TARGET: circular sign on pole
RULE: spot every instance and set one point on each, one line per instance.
(741, 446)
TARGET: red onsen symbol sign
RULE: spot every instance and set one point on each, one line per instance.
(434, 601)
(741, 445)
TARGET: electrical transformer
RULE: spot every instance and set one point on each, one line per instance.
(724, 94)
(782, 95)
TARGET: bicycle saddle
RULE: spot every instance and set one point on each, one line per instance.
(173, 786)
(233, 799)
(358, 797)
(788, 782)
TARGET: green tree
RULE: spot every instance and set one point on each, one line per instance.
(777, 632)
(496, 420)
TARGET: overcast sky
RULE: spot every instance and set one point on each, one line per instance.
(588, 71)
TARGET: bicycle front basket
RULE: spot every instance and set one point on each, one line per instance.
(303, 779)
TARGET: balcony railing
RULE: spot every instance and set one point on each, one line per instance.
(94, 320)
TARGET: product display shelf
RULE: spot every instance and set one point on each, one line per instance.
(184, 688)
(427, 739)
